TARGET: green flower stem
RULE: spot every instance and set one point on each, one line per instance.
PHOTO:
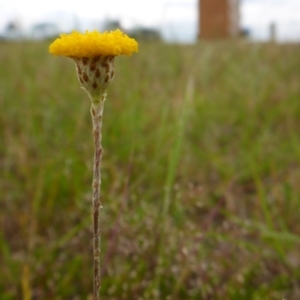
(97, 114)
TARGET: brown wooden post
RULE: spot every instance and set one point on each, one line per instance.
(219, 19)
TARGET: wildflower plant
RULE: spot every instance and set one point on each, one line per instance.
(94, 55)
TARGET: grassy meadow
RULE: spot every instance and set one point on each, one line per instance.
(200, 175)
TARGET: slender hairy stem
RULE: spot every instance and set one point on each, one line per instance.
(97, 113)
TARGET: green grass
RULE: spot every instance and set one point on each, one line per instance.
(200, 175)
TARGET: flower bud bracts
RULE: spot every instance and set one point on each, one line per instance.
(95, 73)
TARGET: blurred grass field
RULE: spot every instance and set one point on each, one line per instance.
(200, 175)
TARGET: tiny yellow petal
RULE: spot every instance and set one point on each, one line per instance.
(94, 43)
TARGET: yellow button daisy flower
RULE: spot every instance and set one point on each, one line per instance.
(94, 53)
(94, 43)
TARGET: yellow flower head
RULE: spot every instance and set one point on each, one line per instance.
(91, 44)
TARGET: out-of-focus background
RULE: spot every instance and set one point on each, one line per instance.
(201, 164)
(176, 21)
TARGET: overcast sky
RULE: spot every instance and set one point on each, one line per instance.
(177, 19)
